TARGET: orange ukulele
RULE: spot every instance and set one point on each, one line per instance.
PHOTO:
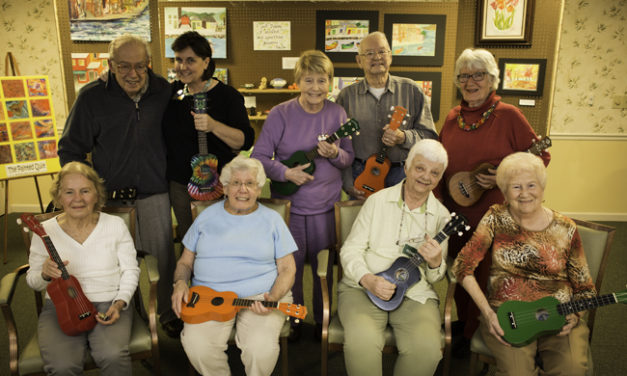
(76, 314)
(207, 304)
(372, 179)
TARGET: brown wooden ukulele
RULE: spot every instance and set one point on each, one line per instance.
(207, 304)
(76, 314)
(377, 167)
(463, 186)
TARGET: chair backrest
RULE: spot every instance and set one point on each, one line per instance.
(345, 214)
(597, 241)
(281, 206)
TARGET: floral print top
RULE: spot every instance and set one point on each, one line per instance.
(527, 265)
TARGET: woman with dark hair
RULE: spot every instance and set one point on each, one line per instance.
(223, 123)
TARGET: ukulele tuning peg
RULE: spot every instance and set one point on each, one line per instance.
(25, 229)
(391, 108)
(467, 228)
(19, 221)
(460, 233)
(287, 318)
(297, 321)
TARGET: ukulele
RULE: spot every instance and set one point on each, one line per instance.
(404, 272)
(207, 304)
(204, 184)
(75, 313)
(463, 187)
(300, 158)
(377, 166)
(523, 322)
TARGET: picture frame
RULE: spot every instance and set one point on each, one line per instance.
(504, 23)
(521, 76)
(435, 87)
(416, 39)
(338, 33)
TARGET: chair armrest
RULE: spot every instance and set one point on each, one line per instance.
(9, 282)
(152, 268)
(7, 288)
(323, 263)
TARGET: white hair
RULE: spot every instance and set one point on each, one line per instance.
(374, 34)
(243, 163)
(478, 59)
(429, 149)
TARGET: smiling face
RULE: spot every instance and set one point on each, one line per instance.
(189, 67)
(524, 193)
(475, 92)
(242, 192)
(314, 88)
(130, 68)
(379, 63)
(422, 176)
(77, 196)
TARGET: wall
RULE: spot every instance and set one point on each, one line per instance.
(588, 174)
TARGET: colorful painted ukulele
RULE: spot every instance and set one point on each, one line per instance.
(204, 183)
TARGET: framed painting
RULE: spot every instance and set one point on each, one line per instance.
(343, 77)
(416, 39)
(431, 85)
(103, 21)
(338, 33)
(504, 23)
(208, 22)
(522, 76)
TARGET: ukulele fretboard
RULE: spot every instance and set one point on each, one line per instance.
(54, 255)
(584, 304)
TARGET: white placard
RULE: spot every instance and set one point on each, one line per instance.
(289, 62)
(250, 102)
(527, 102)
(271, 35)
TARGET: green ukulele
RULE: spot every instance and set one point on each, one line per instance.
(300, 158)
(523, 322)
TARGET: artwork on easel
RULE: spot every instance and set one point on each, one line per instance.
(105, 20)
(208, 22)
(28, 135)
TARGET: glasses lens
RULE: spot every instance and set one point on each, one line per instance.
(478, 76)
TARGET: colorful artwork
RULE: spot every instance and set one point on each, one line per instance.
(413, 39)
(208, 22)
(341, 82)
(505, 17)
(427, 87)
(105, 20)
(44, 128)
(28, 135)
(40, 107)
(521, 77)
(87, 67)
(13, 88)
(16, 109)
(20, 130)
(37, 87)
(504, 22)
(222, 74)
(47, 149)
(344, 35)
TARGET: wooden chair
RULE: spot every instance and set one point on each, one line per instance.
(597, 242)
(283, 208)
(144, 340)
(332, 330)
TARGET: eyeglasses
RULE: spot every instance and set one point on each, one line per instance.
(248, 184)
(125, 68)
(477, 76)
(372, 54)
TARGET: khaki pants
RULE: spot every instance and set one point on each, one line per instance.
(567, 355)
(257, 336)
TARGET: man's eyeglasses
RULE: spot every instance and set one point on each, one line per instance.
(372, 54)
(248, 184)
(126, 68)
(477, 76)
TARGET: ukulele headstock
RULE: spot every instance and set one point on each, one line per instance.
(32, 223)
(397, 116)
(349, 128)
(539, 145)
(298, 311)
(458, 223)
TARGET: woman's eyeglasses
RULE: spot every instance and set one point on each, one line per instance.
(477, 76)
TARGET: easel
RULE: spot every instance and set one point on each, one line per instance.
(6, 207)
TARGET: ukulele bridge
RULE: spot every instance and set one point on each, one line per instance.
(193, 300)
(463, 190)
(512, 320)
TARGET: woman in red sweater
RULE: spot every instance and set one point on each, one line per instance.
(482, 129)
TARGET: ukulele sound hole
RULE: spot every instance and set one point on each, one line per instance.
(72, 293)
(375, 171)
(401, 275)
(217, 301)
(542, 315)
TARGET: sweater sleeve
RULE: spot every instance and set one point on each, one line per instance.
(38, 254)
(78, 136)
(127, 259)
(423, 126)
(524, 134)
(238, 118)
(578, 271)
(267, 143)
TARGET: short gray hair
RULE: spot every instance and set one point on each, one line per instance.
(374, 34)
(477, 59)
(429, 149)
(123, 40)
(516, 163)
(243, 163)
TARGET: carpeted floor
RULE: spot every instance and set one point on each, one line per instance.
(608, 344)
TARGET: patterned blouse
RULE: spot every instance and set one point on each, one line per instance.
(527, 265)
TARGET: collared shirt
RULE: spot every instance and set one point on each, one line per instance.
(371, 246)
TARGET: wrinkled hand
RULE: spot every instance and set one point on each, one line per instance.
(392, 137)
(180, 295)
(356, 193)
(487, 181)
(431, 251)
(494, 327)
(203, 122)
(327, 150)
(50, 269)
(297, 176)
(379, 286)
(258, 308)
(571, 321)
(113, 313)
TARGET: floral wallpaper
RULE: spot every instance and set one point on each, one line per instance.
(591, 69)
(29, 32)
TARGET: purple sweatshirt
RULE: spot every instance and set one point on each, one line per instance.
(289, 129)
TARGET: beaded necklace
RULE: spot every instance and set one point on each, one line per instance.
(462, 124)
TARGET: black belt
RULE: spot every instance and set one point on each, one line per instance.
(393, 164)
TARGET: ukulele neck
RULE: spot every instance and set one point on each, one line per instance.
(54, 255)
(202, 143)
(246, 303)
(313, 153)
(585, 304)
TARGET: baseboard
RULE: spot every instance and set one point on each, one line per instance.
(599, 217)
